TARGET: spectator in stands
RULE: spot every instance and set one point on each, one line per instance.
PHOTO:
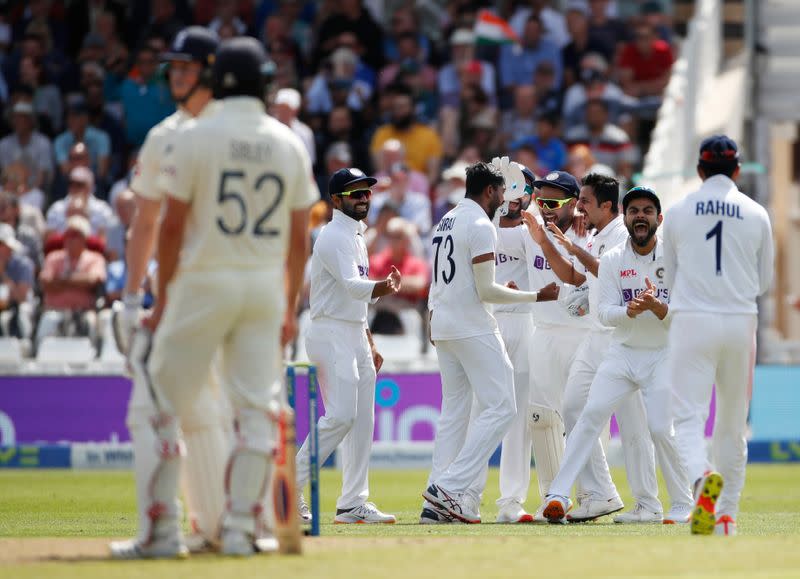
(70, 279)
(164, 22)
(403, 24)
(481, 129)
(580, 160)
(609, 144)
(92, 83)
(548, 95)
(16, 284)
(29, 146)
(550, 150)
(46, 97)
(518, 66)
(25, 226)
(414, 206)
(117, 236)
(81, 186)
(423, 145)
(97, 141)
(393, 152)
(519, 122)
(604, 30)
(227, 14)
(582, 43)
(524, 153)
(338, 84)
(462, 54)
(287, 55)
(410, 61)
(451, 189)
(555, 29)
(351, 16)
(16, 180)
(400, 234)
(337, 156)
(375, 237)
(653, 14)
(644, 69)
(343, 125)
(594, 83)
(145, 98)
(285, 108)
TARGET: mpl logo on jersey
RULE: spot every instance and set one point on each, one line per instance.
(626, 273)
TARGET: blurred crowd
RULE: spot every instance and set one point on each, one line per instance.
(411, 92)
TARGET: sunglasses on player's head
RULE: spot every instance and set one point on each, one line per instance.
(357, 194)
(552, 203)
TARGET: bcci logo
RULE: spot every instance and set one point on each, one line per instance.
(660, 273)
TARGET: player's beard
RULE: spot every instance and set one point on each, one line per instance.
(639, 238)
(357, 211)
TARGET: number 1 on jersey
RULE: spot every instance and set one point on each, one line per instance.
(716, 231)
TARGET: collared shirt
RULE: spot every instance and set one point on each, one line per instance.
(718, 249)
(101, 216)
(58, 265)
(243, 173)
(340, 284)
(612, 235)
(463, 234)
(621, 279)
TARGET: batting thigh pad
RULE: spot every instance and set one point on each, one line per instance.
(547, 437)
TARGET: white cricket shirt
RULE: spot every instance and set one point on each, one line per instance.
(511, 268)
(243, 173)
(621, 279)
(612, 235)
(465, 232)
(148, 163)
(340, 284)
(518, 242)
(718, 249)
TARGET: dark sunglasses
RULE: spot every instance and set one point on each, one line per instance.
(357, 194)
(77, 184)
(552, 203)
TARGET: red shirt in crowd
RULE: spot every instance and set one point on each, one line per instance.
(380, 266)
(647, 67)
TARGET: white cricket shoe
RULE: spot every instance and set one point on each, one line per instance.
(302, 510)
(638, 516)
(430, 516)
(678, 515)
(237, 543)
(591, 509)
(164, 548)
(367, 513)
(725, 526)
(266, 543)
(457, 505)
(513, 512)
(555, 509)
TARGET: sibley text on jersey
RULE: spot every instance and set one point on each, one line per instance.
(717, 207)
(249, 151)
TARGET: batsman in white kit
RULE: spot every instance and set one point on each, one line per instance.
(239, 188)
(597, 494)
(207, 428)
(634, 300)
(560, 328)
(718, 258)
(340, 344)
(472, 357)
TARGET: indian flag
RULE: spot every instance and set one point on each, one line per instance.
(491, 29)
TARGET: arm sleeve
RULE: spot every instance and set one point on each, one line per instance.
(177, 169)
(482, 238)
(766, 258)
(344, 270)
(510, 241)
(145, 174)
(492, 292)
(611, 308)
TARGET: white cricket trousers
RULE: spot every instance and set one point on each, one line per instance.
(708, 349)
(553, 352)
(516, 329)
(478, 366)
(595, 479)
(624, 372)
(343, 357)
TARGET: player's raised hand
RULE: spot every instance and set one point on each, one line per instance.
(562, 239)
(537, 232)
(651, 287)
(395, 280)
(548, 293)
(579, 224)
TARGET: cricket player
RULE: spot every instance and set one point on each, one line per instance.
(718, 258)
(472, 357)
(238, 190)
(207, 429)
(340, 344)
(597, 494)
(634, 300)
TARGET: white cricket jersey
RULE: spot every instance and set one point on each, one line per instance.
(612, 235)
(518, 242)
(340, 284)
(151, 154)
(465, 232)
(621, 279)
(243, 173)
(718, 249)
(511, 268)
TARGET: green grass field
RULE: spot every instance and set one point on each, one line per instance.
(56, 523)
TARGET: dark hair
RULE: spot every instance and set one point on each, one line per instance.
(727, 168)
(604, 189)
(480, 176)
(399, 89)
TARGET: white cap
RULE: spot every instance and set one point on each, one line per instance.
(289, 97)
(462, 36)
(80, 224)
(7, 237)
(82, 175)
(457, 170)
(23, 108)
